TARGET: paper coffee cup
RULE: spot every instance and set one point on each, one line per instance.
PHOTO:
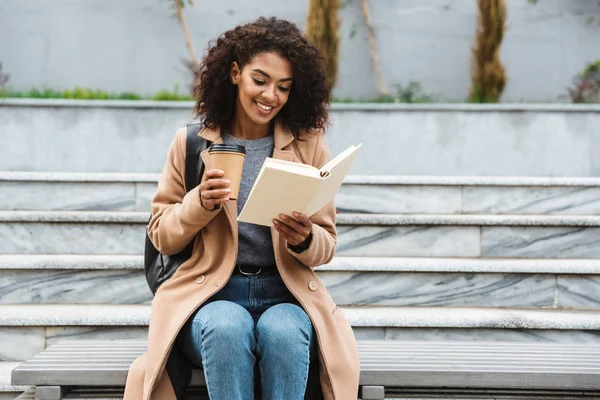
(230, 159)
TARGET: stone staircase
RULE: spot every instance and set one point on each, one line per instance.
(473, 258)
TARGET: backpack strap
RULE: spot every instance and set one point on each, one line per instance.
(194, 167)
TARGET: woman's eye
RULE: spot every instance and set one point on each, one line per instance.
(259, 82)
(284, 89)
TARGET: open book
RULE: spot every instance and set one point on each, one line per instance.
(285, 187)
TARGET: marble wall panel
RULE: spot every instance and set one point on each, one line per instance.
(71, 238)
(440, 289)
(144, 193)
(531, 200)
(56, 334)
(21, 343)
(96, 196)
(540, 242)
(399, 199)
(426, 241)
(74, 287)
(579, 291)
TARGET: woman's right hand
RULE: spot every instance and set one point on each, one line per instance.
(214, 190)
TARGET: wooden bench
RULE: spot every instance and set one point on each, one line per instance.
(80, 368)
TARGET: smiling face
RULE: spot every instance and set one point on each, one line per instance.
(264, 85)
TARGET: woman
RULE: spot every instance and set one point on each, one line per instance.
(247, 307)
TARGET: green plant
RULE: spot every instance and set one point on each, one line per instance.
(410, 93)
(586, 85)
(488, 75)
(322, 30)
(92, 94)
(165, 95)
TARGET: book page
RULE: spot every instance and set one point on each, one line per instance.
(334, 173)
(325, 169)
(293, 167)
(277, 191)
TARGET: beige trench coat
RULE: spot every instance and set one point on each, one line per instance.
(178, 218)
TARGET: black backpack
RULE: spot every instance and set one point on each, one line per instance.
(159, 267)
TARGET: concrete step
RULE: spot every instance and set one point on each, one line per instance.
(516, 283)
(29, 329)
(8, 391)
(360, 235)
(359, 194)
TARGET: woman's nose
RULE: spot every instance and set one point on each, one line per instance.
(269, 94)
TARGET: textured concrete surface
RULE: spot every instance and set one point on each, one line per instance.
(396, 140)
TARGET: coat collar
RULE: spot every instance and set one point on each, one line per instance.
(282, 136)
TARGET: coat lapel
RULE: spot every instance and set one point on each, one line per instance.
(283, 138)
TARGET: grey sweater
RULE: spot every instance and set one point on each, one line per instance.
(255, 245)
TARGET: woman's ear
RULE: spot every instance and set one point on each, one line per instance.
(234, 73)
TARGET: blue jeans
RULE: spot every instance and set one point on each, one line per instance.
(254, 324)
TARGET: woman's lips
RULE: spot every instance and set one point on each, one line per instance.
(262, 110)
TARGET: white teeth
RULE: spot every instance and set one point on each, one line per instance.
(266, 108)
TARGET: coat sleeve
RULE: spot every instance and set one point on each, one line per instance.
(176, 216)
(324, 235)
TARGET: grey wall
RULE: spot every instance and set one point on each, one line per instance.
(137, 45)
(509, 140)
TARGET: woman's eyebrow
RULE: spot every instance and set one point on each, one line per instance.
(260, 71)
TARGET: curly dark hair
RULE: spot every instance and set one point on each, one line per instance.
(307, 105)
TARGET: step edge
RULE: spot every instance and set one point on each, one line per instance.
(6, 368)
(571, 266)
(358, 316)
(355, 179)
(138, 217)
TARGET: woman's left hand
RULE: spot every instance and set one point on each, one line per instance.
(294, 229)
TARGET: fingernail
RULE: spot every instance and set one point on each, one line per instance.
(283, 217)
(227, 190)
(275, 222)
(296, 214)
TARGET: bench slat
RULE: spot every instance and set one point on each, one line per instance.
(407, 362)
(367, 353)
(390, 363)
(361, 343)
(369, 368)
(467, 379)
(400, 357)
(555, 353)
